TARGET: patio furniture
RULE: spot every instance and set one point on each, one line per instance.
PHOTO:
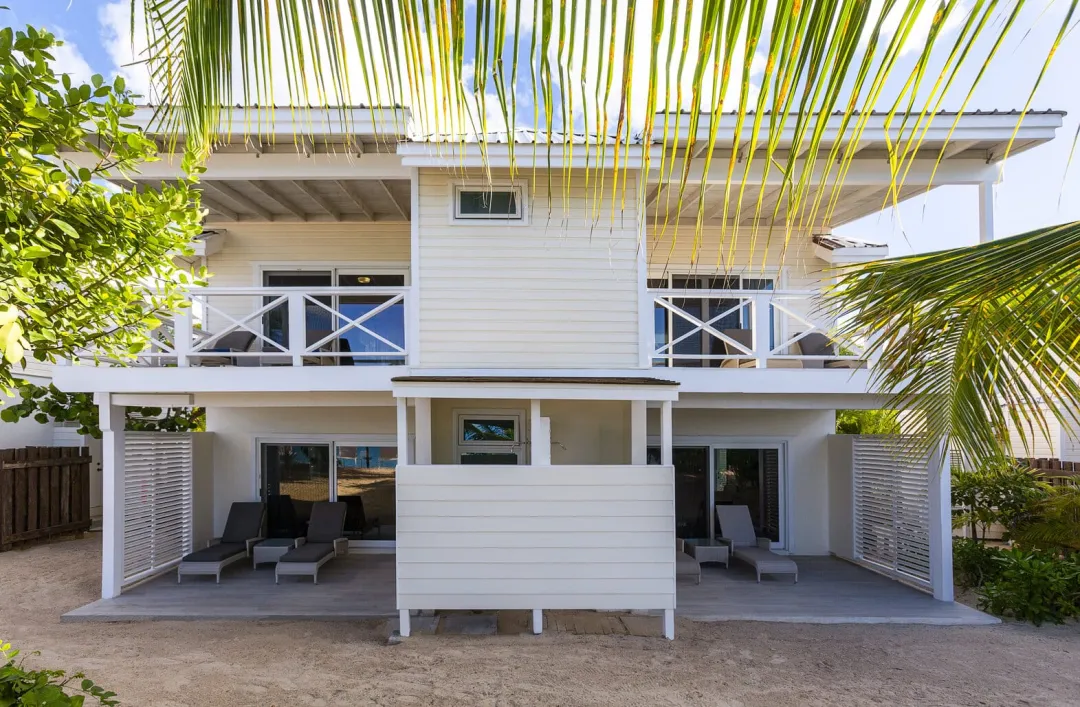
(685, 566)
(324, 541)
(816, 344)
(356, 521)
(233, 342)
(704, 550)
(271, 550)
(738, 532)
(243, 530)
(746, 338)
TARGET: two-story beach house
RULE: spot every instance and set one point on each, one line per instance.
(523, 389)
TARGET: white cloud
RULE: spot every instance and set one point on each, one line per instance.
(116, 38)
(68, 60)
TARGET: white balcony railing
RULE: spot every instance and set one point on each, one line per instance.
(283, 326)
(746, 329)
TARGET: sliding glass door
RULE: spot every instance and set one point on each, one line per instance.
(295, 475)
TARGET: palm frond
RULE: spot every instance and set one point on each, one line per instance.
(971, 337)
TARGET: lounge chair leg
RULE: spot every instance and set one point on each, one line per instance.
(178, 575)
(219, 577)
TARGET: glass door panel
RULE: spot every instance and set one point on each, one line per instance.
(751, 478)
(365, 479)
(294, 477)
(691, 489)
(388, 324)
(276, 321)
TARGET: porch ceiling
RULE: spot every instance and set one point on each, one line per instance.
(304, 200)
(853, 202)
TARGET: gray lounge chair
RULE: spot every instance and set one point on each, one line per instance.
(685, 565)
(325, 540)
(243, 530)
(738, 532)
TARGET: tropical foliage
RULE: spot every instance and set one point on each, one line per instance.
(82, 264)
(1034, 586)
(45, 403)
(20, 685)
(974, 338)
(996, 493)
(867, 422)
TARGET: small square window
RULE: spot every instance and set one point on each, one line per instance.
(477, 203)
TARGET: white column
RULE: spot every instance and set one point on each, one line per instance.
(404, 625)
(538, 621)
(422, 422)
(639, 433)
(669, 624)
(759, 335)
(665, 433)
(412, 299)
(111, 420)
(182, 336)
(298, 328)
(539, 436)
(941, 556)
(403, 432)
(986, 212)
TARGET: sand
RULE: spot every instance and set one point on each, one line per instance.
(349, 663)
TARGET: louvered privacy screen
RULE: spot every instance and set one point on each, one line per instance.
(157, 501)
(770, 459)
(892, 508)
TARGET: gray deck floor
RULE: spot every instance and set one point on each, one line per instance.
(829, 591)
(360, 586)
(351, 587)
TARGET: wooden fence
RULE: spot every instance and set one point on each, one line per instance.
(1057, 472)
(44, 491)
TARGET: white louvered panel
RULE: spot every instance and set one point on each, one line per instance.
(892, 508)
(771, 467)
(157, 501)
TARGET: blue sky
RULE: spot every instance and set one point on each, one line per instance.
(1036, 190)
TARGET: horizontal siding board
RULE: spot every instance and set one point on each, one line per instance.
(473, 276)
(554, 537)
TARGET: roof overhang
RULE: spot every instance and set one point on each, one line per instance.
(542, 155)
(839, 250)
(536, 388)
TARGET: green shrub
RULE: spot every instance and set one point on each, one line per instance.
(45, 688)
(996, 493)
(974, 562)
(1034, 586)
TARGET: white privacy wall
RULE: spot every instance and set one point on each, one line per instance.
(535, 537)
(560, 291)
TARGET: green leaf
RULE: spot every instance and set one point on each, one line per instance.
(33, 252)
(66, 228)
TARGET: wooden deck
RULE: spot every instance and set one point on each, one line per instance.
(356, 586)
(829, 591)
(361, 586)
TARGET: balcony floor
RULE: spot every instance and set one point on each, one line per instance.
(361, 586)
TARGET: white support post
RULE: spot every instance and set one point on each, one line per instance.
(665, 433)
(298, 329)
(404, 625)
(986, 212)
(412, 299)
(111, 420)
(538, 621)
(941, 555)
(182, 336)
(639, 433)
(403, 432)
(762, 319)
(422, 423)
(669, 624)
(539, 436)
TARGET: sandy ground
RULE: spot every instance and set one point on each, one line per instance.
(296, 663)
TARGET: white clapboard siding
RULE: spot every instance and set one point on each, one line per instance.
(157, 501)
(892, 508)
(535, 537)
(558, 292)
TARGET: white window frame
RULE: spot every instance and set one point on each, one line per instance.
(518, 185)
(518, 446)
(334, 441)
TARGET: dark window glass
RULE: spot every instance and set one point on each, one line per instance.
(388, 323)
(365, 484)
(489, 458)
(476, 430)
(488, 203)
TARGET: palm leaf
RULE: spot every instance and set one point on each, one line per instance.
(969, 337)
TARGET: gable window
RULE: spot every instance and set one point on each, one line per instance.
(489, 202)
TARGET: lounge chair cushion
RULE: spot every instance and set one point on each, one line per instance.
(766, 561)
(309, 552)
(327, 522)
(244, 522)
(216, 553)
